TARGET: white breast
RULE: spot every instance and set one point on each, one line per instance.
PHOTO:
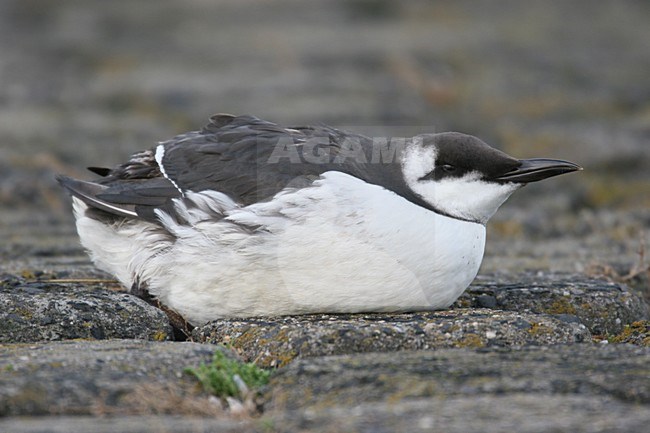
(340, 246)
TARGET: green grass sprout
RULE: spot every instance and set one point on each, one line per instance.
(227, 377)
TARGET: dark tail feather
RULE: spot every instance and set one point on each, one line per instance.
(102, 171)
(88, 191)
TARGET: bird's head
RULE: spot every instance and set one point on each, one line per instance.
(461, 176)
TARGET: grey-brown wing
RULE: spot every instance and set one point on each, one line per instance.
(244, 157)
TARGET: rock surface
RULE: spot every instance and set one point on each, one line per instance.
(602, 306)
(577, 387)
(481, 414)
(275, 342)
(114, 377)
(522, 413)
(128, 424)
(406, 372)
(637, 333)
(617, 371)
(39, 311)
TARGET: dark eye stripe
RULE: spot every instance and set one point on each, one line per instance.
(443, 171)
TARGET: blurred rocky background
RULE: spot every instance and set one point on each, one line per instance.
(89, 82)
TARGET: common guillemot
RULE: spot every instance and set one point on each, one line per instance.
(247, 218)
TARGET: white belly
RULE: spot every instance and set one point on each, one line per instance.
(340, 246)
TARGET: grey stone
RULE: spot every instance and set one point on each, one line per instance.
(522, 413)
(478, 414)
(605, 307)
(277, 341)
(40, 311)
(636, 333)
(125, 424)
(619, 372)
(115, 377)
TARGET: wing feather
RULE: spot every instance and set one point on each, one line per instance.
(231, 155)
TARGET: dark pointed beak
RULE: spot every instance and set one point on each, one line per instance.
(535, 169)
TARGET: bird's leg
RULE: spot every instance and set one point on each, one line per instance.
(181, 327)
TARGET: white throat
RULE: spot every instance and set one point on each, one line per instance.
(468, 197)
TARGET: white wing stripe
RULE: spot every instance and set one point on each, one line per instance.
(160, 153)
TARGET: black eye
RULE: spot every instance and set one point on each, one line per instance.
(442, 171)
